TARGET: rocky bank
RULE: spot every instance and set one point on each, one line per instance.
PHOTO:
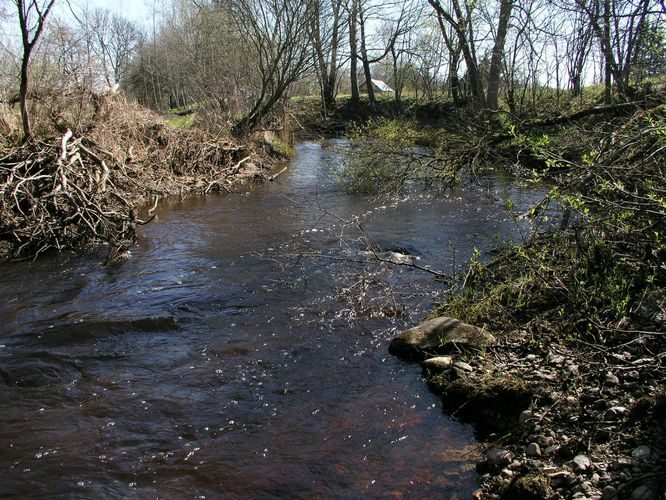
(557, 418)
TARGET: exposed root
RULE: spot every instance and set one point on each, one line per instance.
(83, 186)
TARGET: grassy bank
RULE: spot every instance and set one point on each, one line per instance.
(572, 394)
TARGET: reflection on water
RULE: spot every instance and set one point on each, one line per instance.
(242, 350)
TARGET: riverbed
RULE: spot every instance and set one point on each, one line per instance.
(241, 350)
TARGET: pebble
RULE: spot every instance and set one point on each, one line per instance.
(533, 450)
(546, 440)
(581, 463)
(609, 493)
(642, 453)
(439, 362)
(556, 359)
(611, 379)
(525, 416)
(560, 478)
(614, 412)
(497, 457)
(463, 366)
(531, 357)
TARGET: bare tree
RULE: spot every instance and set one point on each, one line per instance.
(32, 20)
(498, 53)
(116, 40)
(276, 32)
(326, 32)
(460, 20)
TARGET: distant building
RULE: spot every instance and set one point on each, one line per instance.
(378, 86)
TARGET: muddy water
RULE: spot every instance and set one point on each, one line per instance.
(242, 349)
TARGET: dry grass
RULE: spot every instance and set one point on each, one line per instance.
(96, 160)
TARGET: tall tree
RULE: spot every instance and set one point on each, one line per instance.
(498, 53)
(461, 22)
(276, 32)
(327, 29)
(353, 49)
(32, 16)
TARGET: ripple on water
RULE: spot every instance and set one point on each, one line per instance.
(241, 351)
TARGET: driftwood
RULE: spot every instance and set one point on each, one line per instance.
(59, 195)
(528, 125)
(84, 185)
(578, 115)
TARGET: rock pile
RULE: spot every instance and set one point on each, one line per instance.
(558, 420)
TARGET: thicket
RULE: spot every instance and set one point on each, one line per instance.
(596, 270)
(601, 275)
(94, 162)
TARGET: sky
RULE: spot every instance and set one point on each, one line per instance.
(138, 11)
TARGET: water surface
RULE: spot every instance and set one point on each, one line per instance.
(242, 350)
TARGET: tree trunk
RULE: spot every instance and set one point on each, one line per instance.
(23, 96)
(608, 55)
(498, 51)
(366, 63)
(353, 50)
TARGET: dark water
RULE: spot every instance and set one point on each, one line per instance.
(240, 352)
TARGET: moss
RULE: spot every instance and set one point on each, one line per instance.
(528, 487)
(183, 121)
(492, 403)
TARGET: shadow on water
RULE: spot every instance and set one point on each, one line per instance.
(242, 350)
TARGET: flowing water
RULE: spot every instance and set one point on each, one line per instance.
(242, 350)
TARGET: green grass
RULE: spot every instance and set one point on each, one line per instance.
(187, 121)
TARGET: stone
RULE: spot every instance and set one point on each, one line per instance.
(442, 334)
(507, 473)
(643, 492)
(614, 412)
(497, 457)
(531, 357)
(609, 493)
(642, 453)
(581, 463)
(463, 366)
(533, 450)
(611, 379)
(438, 362)
(546, 440)
(556, 359)
(525, 416)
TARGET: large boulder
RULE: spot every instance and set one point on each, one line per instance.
(442, 335)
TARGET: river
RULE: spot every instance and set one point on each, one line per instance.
(241, 351)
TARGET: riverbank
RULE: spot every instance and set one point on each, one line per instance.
(569, 400)
(556, 419)
(98, 170)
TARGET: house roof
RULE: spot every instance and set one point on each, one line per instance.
(381, 85)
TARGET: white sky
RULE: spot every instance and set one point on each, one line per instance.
(138, 11)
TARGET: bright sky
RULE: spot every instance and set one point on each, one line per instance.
(138, 11)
